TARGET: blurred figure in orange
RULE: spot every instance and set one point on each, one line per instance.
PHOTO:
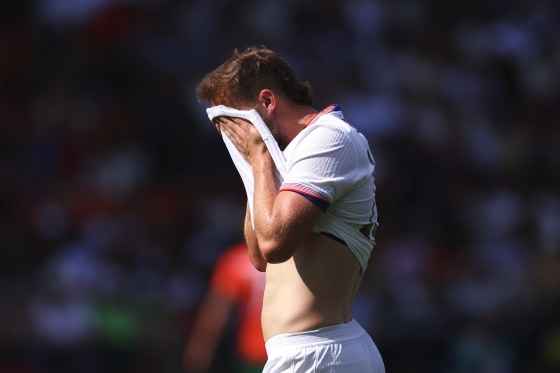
(235, 285)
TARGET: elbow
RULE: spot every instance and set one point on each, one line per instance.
(258, 262)
(275, 253)
(261, 267)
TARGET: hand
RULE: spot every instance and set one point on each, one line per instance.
(243, 135)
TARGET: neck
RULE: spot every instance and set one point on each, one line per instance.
(302, 116)
(297, 120)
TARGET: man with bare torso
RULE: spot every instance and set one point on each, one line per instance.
(313, 232)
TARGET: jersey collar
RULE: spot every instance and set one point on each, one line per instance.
(327, 110)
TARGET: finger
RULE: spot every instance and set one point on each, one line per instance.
(219, 120)
(241, 122)
(231, 128)
(229, 132)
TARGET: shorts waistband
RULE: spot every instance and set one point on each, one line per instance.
(328, 334)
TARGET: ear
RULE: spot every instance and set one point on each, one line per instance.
(267, 100)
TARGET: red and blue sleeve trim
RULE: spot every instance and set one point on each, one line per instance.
(308, 193)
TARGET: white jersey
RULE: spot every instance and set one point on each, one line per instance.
(330, 163)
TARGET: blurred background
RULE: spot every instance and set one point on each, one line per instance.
(117, 195)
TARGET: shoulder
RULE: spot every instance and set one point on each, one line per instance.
(325, 138)
(326, 132)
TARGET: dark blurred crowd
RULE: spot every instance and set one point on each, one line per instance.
(117, 194)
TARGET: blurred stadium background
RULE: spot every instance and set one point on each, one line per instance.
(116, 194)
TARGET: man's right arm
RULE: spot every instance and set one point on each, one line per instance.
(254, 252)
(208, 328)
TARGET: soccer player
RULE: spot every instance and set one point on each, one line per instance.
(235, 287)
(314, 234)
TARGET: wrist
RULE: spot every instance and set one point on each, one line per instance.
(262, 160)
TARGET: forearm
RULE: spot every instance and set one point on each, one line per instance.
(272, 222)
(206, 333)
(265, 193)
(254, 252)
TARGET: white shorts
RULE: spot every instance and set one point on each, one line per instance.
(345, 348)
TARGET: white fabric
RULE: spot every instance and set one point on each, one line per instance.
(331, 162)
(345, 348)
(243, 167)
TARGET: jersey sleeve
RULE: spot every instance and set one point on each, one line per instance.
(322, 167)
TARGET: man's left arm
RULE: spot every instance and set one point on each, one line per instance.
(253, 246)
(282, 220)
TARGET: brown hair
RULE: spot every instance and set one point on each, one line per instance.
(240, 79)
